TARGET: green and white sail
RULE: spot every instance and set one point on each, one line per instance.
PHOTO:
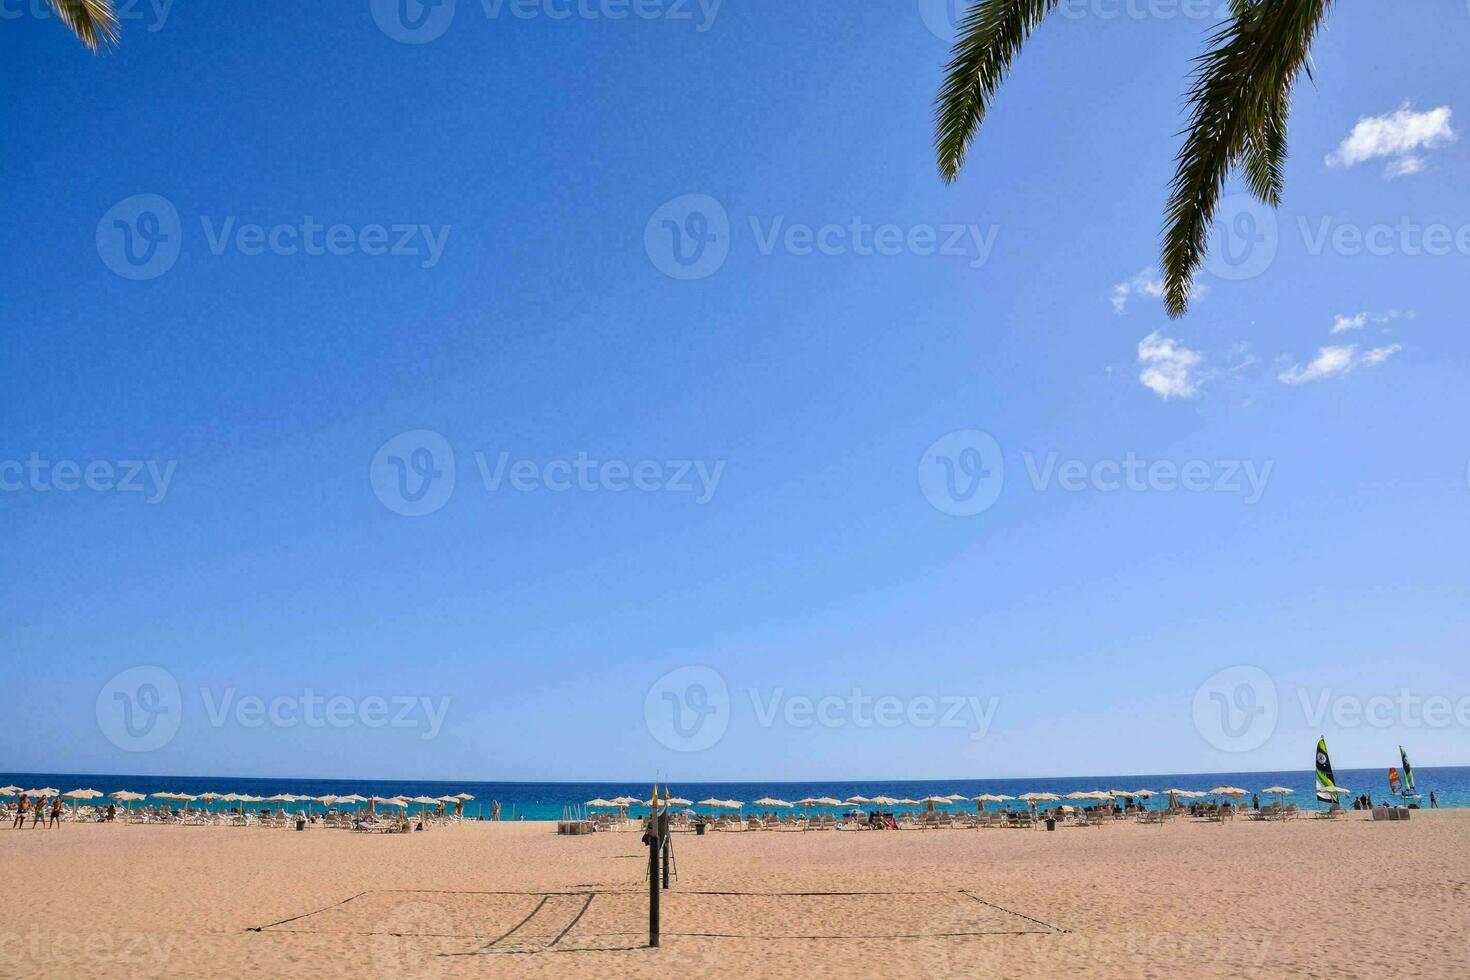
(1324, 773)
(1408, 772)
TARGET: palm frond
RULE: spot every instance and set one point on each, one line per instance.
(1241, 91)
(989, 37)
(94, 22)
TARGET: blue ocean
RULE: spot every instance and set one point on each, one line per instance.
(547, 801)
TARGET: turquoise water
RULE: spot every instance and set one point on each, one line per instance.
(545, 801)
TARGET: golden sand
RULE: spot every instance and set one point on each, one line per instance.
(1350, 898)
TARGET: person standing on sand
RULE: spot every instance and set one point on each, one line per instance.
(20, 812)
(1433, 801)
(38, 813)
(495, 810)
(55, 815)
(1255, 801)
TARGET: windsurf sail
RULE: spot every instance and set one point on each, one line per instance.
(1408, 772)
(1395, 784)
(1324, 773)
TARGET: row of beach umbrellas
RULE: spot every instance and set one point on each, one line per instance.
(1079, 796)
(128, 797)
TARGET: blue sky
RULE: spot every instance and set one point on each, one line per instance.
(793, 393)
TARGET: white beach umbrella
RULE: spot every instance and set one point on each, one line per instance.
(885, 801)
(1039, 797)
(1234, 791)
(1278, 791)
(858, 800)
(599, 803)
(1144, 793)
(10, 791)
(678, 801)
(43, 792)
(82, 794)
(1079, 795)
(127, 797)
(768, 801)
(711, 802)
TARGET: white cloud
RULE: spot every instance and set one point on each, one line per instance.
(1396, 136)
(1344, 322)
(1403, 167)
(1333, 362)
(1146, 283)
(1378, 355)
(1168, 368)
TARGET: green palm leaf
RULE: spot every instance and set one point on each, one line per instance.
(1239, 101)
(990, 35)
(94, 22)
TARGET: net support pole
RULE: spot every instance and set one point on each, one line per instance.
(655, 840)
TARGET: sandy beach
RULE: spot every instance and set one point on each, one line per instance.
(1303, 898)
